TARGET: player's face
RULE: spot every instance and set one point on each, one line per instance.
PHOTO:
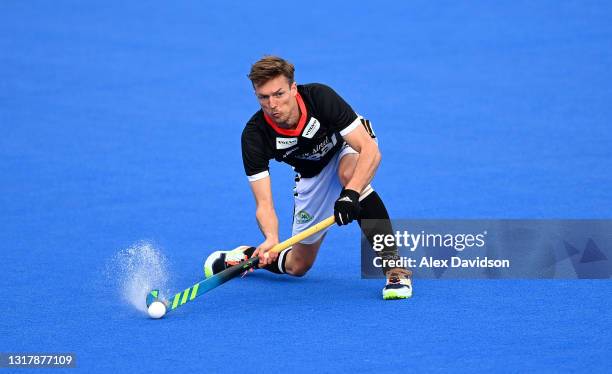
(277, 99)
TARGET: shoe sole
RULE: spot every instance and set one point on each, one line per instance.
(396, 295)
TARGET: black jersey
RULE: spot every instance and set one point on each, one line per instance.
(325, 118)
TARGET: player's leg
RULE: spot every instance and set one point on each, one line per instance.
(373, 220)
(295, 260)
(218, 261)
(312, 198)
(313, 202)
(301, 257)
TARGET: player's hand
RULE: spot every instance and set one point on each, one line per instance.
(266, 257)
(346, 208)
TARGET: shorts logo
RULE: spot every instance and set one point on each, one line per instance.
(303, 217)
(284, 143)
(311, 128)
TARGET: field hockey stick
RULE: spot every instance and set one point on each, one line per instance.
(218, 279)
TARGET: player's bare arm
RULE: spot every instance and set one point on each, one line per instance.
(266, 219)
(368, 161)
(357, 174)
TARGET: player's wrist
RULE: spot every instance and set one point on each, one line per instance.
(272, 239)
(350, 192)
(352, 187)
(346, 208)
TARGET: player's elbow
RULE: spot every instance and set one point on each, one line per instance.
(264, 210)
(370, 151)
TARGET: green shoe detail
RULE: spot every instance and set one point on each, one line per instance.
(399, 284)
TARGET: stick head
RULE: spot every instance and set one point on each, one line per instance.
(152, 296)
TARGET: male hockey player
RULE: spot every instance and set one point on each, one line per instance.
(334, 152)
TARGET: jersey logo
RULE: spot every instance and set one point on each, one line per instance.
(311, 128)
(289, 152)
(320, 150)
(284, 143)
(303, 217)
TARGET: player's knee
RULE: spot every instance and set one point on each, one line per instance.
(300, 271)
(298, 266)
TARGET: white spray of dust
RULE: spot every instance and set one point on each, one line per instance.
(137, 270)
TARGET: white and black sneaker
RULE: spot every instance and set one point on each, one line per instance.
(399, 284)
(218, 261)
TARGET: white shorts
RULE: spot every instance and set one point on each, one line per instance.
(314, 198)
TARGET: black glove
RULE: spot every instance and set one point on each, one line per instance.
(346, 208)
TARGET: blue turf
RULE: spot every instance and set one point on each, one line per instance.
(121, 122)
